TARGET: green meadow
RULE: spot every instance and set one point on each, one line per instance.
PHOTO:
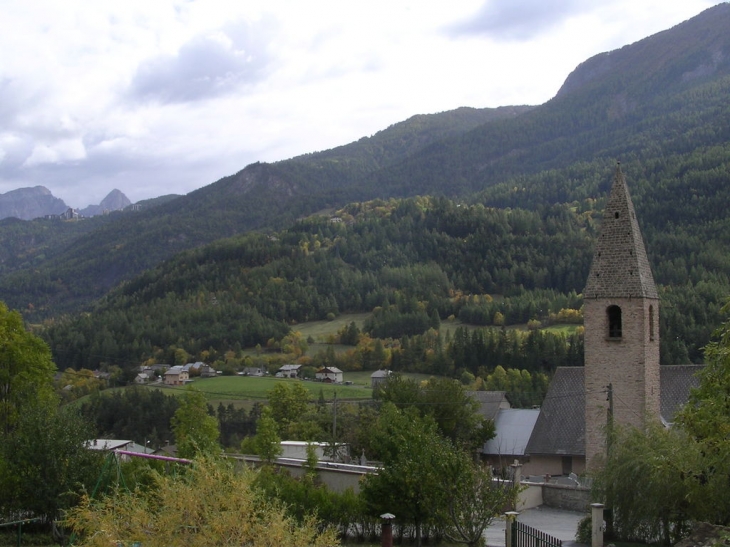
(239, 389)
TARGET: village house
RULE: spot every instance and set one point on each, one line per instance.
(142, 378)
(289, 371)
(490, 402)
(252, 371)
(200, 369)
(176, 376)
(330, 375)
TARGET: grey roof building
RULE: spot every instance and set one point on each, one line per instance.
(621, 319)
(557, 443)
(490, 402)
(514, 427)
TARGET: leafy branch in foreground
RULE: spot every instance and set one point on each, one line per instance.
(210, 504)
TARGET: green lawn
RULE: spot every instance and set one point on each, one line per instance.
(242, 388)
(315, 348)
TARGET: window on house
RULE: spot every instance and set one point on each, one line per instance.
(614, 322)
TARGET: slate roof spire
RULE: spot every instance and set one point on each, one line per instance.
(620, 267)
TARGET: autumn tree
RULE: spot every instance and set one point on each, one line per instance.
(210, 504)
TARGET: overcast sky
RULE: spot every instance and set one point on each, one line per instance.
(164, 96)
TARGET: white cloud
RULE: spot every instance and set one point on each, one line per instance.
(521, 19)
(207, 66)
(62, 151)
(168, 96)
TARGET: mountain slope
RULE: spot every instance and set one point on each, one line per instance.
(660, 105)
(29, 203)
(413, 253)
(71, 275)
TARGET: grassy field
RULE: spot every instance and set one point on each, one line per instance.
(319, 330)
(237, 389)
(362, 377)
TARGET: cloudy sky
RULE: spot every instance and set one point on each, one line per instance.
(165, 96)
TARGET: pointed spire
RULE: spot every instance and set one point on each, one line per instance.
(620, 267)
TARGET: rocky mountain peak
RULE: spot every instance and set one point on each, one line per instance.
(114, 201)
(30, 203)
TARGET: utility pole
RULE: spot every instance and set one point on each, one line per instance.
(334, 418)
(334, 428)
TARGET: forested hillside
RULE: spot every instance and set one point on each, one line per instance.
(659, 104)
(414, 263)
(67, 267)
(505, 238)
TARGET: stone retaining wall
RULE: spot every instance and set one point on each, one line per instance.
(570, 498)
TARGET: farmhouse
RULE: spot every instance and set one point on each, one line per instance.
(330, 375)
(289, 371)
(176, 376)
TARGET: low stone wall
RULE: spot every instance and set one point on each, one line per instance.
(569, 498)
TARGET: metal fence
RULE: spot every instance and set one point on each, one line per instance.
(527, 536)
(18, 524)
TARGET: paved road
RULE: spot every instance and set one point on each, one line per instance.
(557, 523)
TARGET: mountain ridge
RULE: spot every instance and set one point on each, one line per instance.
(514, 157)
(29, 203)
(38, 202)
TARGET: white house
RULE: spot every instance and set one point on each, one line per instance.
(142, 378)
(331, 375)
(289, 371)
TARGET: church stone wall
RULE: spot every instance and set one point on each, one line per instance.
(629, 363)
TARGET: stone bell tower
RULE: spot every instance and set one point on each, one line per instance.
(621, 318)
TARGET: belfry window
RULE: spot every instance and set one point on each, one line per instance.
(614, 321)
(651, 322)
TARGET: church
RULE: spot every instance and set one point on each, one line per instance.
(621, 380)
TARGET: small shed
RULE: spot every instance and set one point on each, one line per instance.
(379, 377)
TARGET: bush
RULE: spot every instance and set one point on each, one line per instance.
(585, 530)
